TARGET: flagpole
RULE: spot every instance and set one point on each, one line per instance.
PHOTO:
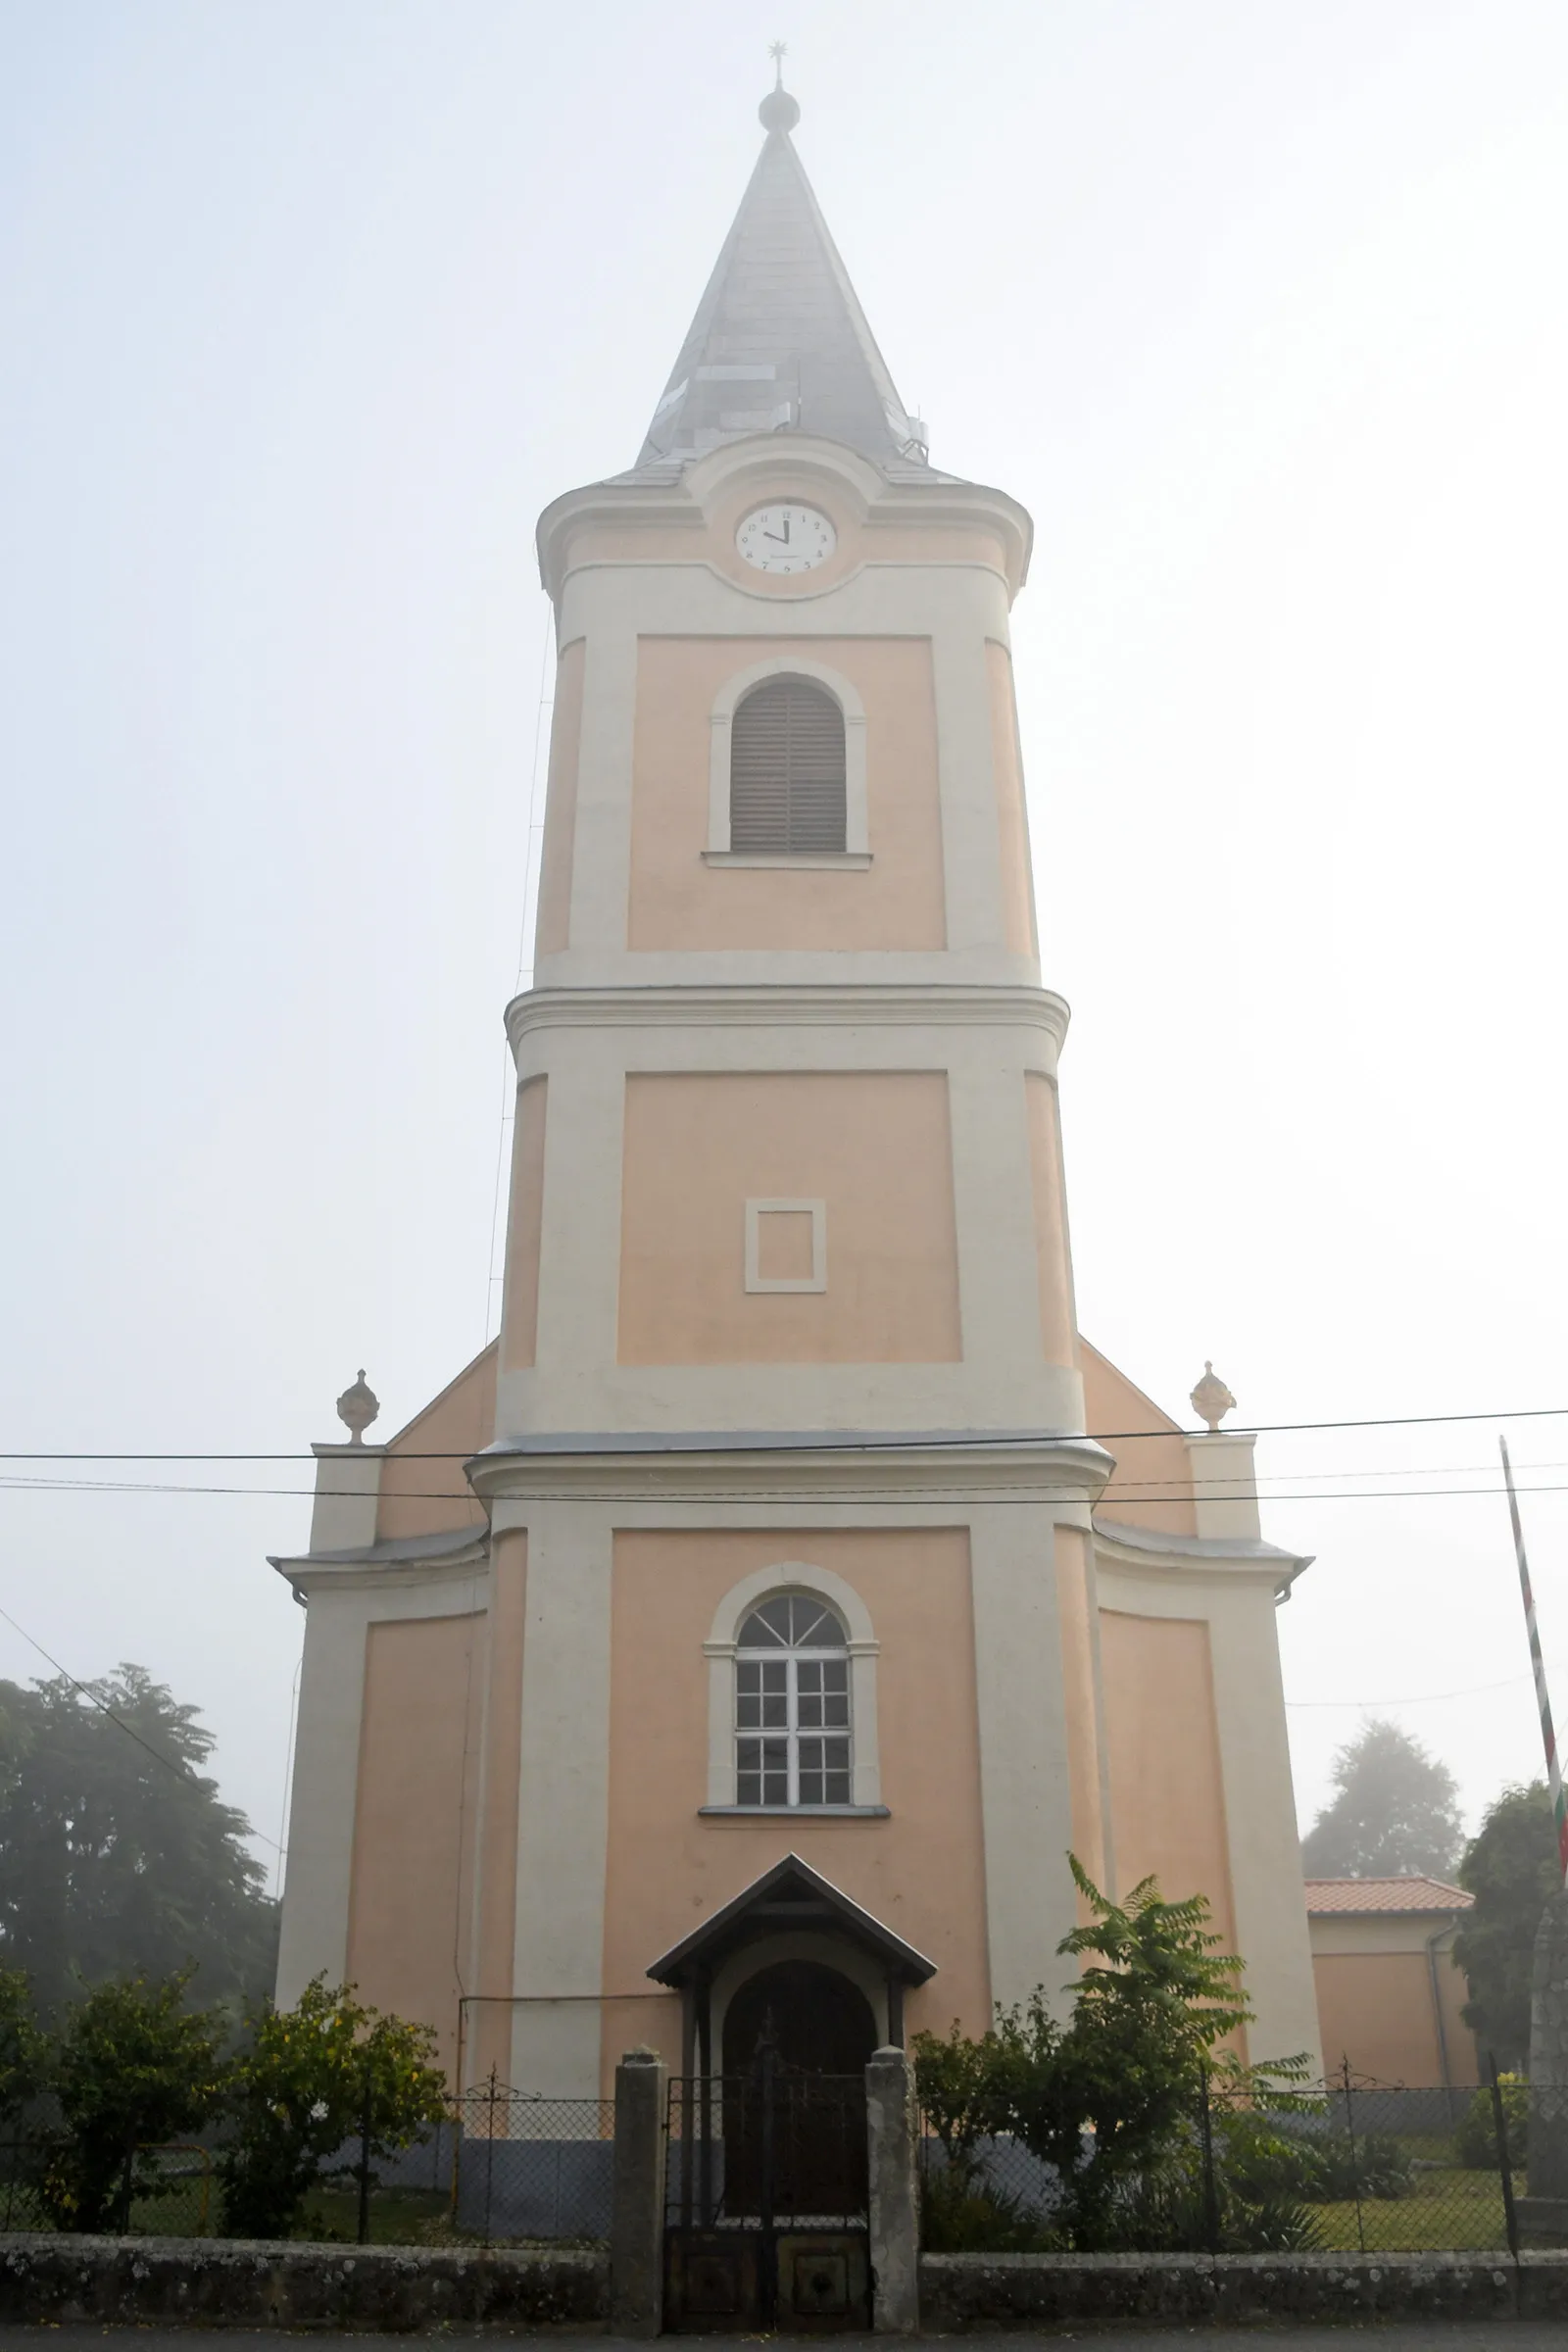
(1559, 1812)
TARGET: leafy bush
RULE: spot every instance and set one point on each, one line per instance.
(1260, 2163)
(311, 2079)
(24, 2051)
(133, 2066)
(1476, 2141)
(1365, 2165)
(1108, 2100)
(1168, 2211)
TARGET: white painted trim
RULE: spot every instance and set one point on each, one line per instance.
(324, 1800)
(733, 692)
(816, 862)
(563, 1800)
(1237, 1604)
(1025, 1800)
(756, 1279)
(723, 1635)
(789, 1576)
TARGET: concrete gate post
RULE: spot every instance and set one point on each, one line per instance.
(637, 2203)
(892, 2124)
(1543, 2212)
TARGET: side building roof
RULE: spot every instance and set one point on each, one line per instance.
(1326, 1896)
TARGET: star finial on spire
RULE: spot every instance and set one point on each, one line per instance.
(778, 110)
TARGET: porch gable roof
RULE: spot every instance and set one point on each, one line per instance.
(792, 1894)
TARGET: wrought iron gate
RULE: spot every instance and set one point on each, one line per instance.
(765, 2217)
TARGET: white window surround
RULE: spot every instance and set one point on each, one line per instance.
(791, 1576)
(756, 1279)
(856, 851)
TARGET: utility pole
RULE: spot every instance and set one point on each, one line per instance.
(1538, 1667)
(1543, 2212)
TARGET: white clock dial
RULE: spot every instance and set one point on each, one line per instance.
(786, 538)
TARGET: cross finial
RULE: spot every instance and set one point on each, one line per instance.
(778, 50)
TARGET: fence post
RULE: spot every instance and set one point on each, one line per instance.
(364, 2159)
(1211, 2186)
(892, 2124)
(637, 2201)
(490, 2155)
(1349, 2134)
(1499, 2118)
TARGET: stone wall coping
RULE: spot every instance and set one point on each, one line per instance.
(206, 2281)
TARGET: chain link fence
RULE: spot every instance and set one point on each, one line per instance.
(505, 2169)
(1343, 2166)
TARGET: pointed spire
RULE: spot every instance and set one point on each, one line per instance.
(779, 342)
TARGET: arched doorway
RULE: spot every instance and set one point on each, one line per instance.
(815, 2018)
(797, 2036)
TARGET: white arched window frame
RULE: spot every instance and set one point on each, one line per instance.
(856, 849)
(792, 1576)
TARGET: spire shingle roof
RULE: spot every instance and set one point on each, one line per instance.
(779, 341)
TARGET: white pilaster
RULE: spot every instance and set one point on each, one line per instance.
(1224, 1483)
(562, 1801)
(348, 1490)
(1025, 1798)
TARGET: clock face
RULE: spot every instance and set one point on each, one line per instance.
(786, 538)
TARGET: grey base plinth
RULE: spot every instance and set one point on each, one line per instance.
(1543, 2220)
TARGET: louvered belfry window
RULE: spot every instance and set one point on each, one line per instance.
(786, 771)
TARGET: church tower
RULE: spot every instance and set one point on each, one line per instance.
(756, 1619)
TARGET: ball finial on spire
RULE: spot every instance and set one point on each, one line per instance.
(778, 110)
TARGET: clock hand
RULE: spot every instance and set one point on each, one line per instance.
(782, 537)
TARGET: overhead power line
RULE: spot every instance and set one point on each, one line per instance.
(1025, 1491)
(829, 1440)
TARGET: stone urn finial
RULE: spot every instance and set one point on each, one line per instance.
(1211, 1400)
(357, 1408)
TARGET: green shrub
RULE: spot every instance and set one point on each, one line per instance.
(134, 2067)
(1476, 2141)
(309, 2080)
(1256, 2209)
(961, 2213)
(1371, 2165)
(24, 2051)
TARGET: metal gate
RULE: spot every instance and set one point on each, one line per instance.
(766, 2216)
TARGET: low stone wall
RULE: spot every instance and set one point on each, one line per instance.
(970, 2292)
(209, 2282)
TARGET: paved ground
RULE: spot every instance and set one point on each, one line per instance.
(1517, 2335)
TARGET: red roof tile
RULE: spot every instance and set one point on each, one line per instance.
(1385, 1894)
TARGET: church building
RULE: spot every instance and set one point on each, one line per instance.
(756, 1628)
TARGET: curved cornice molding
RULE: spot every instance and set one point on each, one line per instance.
(771, 461)
(450, 1557)
(865, 1005)
(859, 1467)
(1145, 1551)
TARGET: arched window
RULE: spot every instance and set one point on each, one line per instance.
(787, 771)
(792, 1705)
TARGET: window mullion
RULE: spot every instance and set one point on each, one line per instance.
(794, 1731)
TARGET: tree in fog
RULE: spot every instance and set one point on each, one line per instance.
(1395, 1812)
(116, 1856)
(1510, 1867)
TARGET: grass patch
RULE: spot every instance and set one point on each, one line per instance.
(1448, 2210)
